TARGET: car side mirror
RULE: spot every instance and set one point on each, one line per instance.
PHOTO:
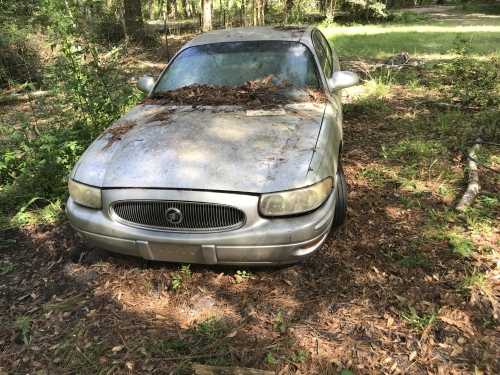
(342, 79)
(146, 84)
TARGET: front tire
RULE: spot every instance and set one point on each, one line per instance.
(341, 202)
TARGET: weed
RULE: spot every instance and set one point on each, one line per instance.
(417, 321)
(460, 244)
(299, 356)
(367, 106)
(415, 150)
(241, 276)
(472, 83)
(280, 324)
(179, 277)
(270, 359)
(474, 280)
(416, 260)
(23, 326)
(378, 88)
(6, 267)
(211, 328)
(165, 346)
(481, 218)
(376, 176)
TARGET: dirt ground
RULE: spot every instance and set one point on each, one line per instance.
(342, 308)
(377, 298)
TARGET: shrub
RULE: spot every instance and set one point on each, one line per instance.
(473, 83)
(89, 93)
(365, 10)
(19, 58)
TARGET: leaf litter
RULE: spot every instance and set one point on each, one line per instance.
(344, 307)
(262, 93)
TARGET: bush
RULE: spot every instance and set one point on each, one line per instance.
(473, 83)
(19, 58)
(107, 28)
(365, 10)
(89, 93)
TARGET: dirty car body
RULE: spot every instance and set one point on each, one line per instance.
(218, 184)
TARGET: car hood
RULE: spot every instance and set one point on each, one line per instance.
(209, 148)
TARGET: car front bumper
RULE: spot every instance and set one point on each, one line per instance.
(259, 241)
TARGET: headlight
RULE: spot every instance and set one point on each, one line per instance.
(295, 201)
(84, 194)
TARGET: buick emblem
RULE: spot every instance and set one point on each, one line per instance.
(174, 215)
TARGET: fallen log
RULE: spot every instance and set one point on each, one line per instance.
(14, 98)
(222, 370)
(473, 186)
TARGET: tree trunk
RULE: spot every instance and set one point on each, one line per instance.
(288, 9)
(206, 8)
(258, 12)
(134, 26)
(184, 5)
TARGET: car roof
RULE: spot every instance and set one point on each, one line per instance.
(247, 34)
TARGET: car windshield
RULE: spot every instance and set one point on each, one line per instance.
(233, 64)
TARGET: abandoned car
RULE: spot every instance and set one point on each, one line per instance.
(232, 158)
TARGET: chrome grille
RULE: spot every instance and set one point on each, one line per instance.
(196, 216)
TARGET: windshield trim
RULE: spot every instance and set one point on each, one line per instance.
(318, 71)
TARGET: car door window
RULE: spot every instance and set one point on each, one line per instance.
(332, 56)
(323, 52)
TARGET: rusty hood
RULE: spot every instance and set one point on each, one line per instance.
(208, 148)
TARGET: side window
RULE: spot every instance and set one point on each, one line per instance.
(335, 60)
(324, 53)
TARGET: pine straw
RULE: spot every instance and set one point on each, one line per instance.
(261, 93)
(343, 308)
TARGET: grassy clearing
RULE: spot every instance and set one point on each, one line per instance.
(425, 37)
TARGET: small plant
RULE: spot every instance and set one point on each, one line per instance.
(165, 346)
(23, 326)
(6, 267)
(417, 321)
(280, 324)
(270, 359)
(378, 87)
(241, 276)
(460, 245)
(474, 280)
(299, 356)
(414, 261)
(211, 328)
(472, 83)
(179, 277)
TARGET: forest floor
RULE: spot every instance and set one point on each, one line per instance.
(407, 285)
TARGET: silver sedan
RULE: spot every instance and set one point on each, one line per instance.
(189, 176)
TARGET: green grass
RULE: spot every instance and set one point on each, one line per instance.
(414, 150)
(460, 244)
(23, 327)
(418, 321)
(6, 267)
(416, 260)
(419, 36)
(211, 329)
(474, 280)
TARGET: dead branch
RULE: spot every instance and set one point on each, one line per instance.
(473, 186)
